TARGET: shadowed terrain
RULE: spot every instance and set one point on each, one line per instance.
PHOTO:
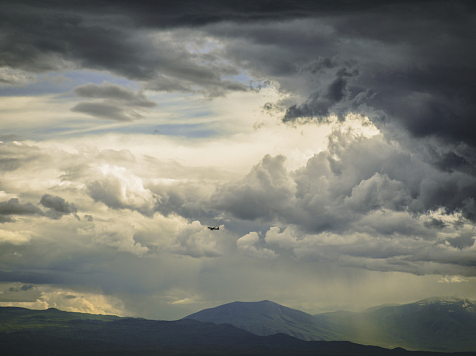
(54, 332)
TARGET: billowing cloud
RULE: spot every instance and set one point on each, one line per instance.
(57, 206)
(247, 245)
(120, 189)
(119, 236)
(196, 241)
(265, 190)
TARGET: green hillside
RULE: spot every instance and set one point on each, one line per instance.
(27, 320)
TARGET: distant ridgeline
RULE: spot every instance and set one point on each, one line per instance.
(52, 332)
(436, 324)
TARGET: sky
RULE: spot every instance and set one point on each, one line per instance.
(332, 142)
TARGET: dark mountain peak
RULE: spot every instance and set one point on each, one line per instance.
(241, 304)
(267, 308)
(265, 318)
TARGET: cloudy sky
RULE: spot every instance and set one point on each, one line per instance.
(333, 143)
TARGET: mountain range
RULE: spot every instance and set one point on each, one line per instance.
(52, 332)
(239, 328)
(436, 324)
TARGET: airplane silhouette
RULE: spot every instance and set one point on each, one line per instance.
(214, 228)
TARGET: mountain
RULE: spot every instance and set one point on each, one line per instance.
(267, 318)
(437, 324)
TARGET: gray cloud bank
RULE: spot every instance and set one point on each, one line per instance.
(407, 64)
(404, 200)
(365, 202)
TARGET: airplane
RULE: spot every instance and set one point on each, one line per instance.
(214, 228)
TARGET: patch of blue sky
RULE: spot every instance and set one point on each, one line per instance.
(186, 130)
(192, 131)
(243, 77)
(192, 113)
(44, 85)
(182, 106)
(57, 83)
(71, 128)
(97, 77)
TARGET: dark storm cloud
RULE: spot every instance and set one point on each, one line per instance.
(325, 101)
(112, 37)
(191, 13)
(14, 207)
(415, 69)
(415, 59)
(463, 241)
(414, 64)
(57, 206)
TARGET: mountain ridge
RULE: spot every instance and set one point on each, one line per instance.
(53, 332)
(432, 324)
